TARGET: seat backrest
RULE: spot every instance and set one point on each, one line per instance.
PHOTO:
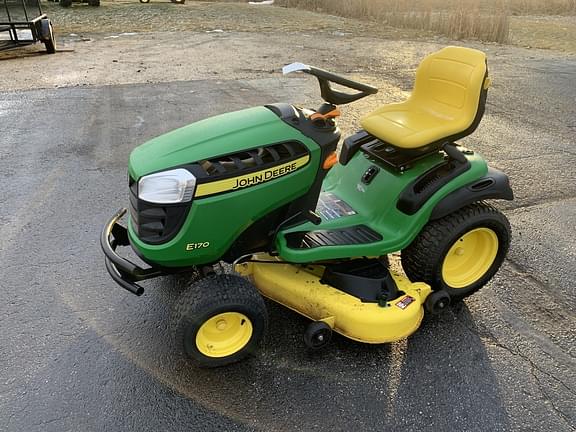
(452, 83)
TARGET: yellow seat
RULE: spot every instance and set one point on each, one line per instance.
(447, 102)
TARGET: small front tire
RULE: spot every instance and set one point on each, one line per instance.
(220, 320)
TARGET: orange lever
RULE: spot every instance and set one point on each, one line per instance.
(329, 115)
(330, 161)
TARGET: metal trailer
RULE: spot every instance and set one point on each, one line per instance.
(23, 23)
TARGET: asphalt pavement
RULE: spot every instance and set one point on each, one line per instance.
(78, 353)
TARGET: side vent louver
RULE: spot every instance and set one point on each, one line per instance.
(251, 160)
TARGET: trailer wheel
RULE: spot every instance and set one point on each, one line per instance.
(460, 252)
(219, 320)
(47, 33)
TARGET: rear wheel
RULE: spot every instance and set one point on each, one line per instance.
(65, 3)
(461, 252)
(220, 320)
(94, 3)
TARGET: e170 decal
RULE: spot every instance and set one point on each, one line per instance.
(194, 246)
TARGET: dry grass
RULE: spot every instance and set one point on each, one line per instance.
(542, 7)
(457, 19)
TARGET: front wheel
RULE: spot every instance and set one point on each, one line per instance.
(220, 320)
(460, 252)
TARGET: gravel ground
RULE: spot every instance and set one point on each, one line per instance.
(88, 356)
(204, 16)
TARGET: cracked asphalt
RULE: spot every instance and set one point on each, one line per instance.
(79, 353)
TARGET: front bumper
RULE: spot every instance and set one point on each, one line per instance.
(124, 272)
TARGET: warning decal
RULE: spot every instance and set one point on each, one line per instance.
(331, 207)
(405, 302)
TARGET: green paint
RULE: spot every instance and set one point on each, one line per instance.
(376, 207)
(209, 138)
(219, 220)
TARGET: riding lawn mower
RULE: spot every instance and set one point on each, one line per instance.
(309, 223)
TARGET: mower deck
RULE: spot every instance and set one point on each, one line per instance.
(300, 289)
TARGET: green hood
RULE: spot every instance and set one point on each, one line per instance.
(209, 138)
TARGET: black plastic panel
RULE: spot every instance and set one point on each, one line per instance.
(155, 223)
(415, 195)
(359, 234)
(246, 161)
(367, 279)
(394, 157)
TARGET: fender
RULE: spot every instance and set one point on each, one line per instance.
(495, 184)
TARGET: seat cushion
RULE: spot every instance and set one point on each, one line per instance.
(406, 126)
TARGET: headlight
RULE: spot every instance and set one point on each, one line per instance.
(168, 187)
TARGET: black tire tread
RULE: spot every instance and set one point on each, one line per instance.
(209, 294)
(419, 259)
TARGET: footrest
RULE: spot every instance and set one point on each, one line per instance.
(358, 234)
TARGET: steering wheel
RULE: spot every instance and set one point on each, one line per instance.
(330, 95)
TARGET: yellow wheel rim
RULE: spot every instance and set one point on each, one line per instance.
(470, 257)
(224, 334)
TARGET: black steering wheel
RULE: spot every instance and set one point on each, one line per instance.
(330, 95)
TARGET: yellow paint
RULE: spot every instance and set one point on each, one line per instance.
(470, 257)
(444, 101)
(224, 334)
(299, 289)
(252, 179)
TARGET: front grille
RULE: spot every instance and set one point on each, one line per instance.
(155, 223)
(246, 161)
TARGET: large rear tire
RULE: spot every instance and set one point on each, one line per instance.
(220, 320)
(460, 252)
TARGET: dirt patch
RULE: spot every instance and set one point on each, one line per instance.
(131, 16)
(114, 44)
(549, 32)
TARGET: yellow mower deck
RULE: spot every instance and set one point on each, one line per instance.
(299, 288)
